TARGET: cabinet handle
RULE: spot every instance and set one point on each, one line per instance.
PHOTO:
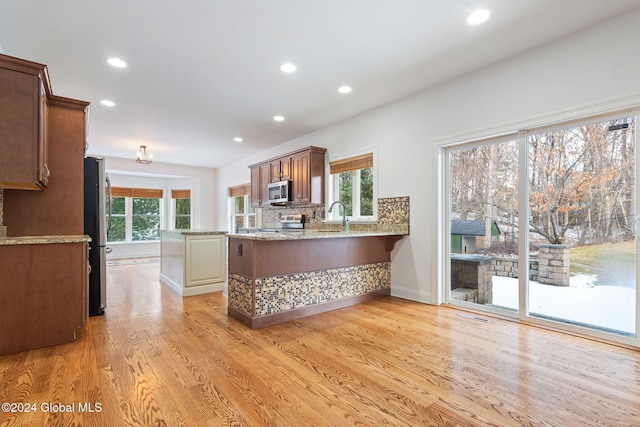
(47, 172)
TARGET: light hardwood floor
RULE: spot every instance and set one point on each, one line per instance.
(157, 359)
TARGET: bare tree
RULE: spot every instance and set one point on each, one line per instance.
(581, 183)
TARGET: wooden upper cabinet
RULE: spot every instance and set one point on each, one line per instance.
(24, 90)
(307, 169)
(301, 185)
(260, 179)
(304, 168)
(281, 169)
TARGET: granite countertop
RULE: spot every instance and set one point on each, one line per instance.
(194, 232)
(43, 240)
(312, 234)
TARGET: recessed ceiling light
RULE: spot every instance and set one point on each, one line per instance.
(288, 67)
(278, 118)
(344, 89)
(117, 62)
(237, 139)
(108, 103)
(478, 17)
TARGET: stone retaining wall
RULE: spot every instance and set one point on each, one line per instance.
(554, 264)
(508, 267)
(551, 268)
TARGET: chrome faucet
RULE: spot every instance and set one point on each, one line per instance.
(344, 213)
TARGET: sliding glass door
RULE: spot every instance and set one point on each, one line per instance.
(582, 207)
(541, 226)
(483, 225)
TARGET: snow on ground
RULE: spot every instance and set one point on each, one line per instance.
(611, 307)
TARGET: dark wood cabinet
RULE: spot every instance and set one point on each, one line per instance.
(44, 290)
(281, 169)
(24, 88)
(301, 187)
(44, 280)
(308, 176)
(304, 168)
(59, 210)
(260, 179)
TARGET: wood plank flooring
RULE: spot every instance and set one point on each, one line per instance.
(156, 359)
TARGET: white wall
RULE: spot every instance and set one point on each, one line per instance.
(201, 182)
(590, 71)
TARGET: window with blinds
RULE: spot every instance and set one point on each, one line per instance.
(352, 181)
(242, 214)
(135, 214)
(181, 207)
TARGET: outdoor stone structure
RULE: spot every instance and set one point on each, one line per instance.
(553, 263)
(473, 272)
(471, 275)
(509, 267)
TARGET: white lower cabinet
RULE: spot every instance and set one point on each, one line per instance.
(193, 262)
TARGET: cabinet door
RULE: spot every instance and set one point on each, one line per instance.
(260, 179)
(42, 141)
(255, 187)
(285, 169)
(20, 130)
(274, 173)
(301, 192)
(205, 260)
(281, 169)
(265, 174)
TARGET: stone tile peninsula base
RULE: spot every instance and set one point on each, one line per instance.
(275, 280)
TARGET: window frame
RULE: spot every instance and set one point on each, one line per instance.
(137, 193)
(334, 189)
(175, 194)
(250, 211)
(442, 276)
(159, 216)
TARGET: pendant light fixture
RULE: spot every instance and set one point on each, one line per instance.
(144, 157)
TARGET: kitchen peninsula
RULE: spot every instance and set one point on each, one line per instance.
(276, 277)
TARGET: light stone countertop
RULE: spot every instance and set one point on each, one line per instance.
(194, 232)
(311, 234)
(43, 240)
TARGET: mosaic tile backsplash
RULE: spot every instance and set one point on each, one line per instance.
(393, 215)
(282, 293)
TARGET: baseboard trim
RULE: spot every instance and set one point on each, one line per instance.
(297, 313)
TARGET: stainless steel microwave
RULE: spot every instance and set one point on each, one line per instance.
(279, 193)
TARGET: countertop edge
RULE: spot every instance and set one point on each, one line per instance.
(194, 232)
(312, 235)
(43, 240)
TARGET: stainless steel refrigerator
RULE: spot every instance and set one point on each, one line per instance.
(97, 219)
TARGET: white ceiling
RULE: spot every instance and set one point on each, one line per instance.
(202, 72)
